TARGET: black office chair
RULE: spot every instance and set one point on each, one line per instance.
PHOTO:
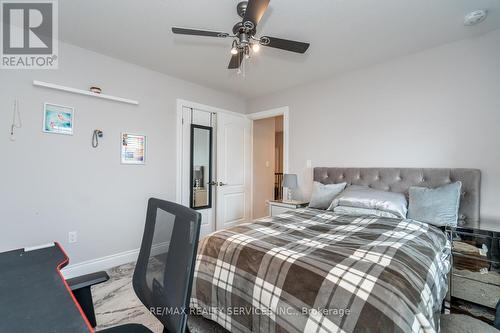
(164, 271)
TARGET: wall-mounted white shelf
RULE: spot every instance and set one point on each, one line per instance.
(83, 92)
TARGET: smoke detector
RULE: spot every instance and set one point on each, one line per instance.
(475, 17)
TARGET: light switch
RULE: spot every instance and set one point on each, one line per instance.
(267, 164)
(309, 163)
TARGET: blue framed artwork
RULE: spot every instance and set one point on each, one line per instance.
(58, 119)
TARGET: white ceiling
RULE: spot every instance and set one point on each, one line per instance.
(344, 35)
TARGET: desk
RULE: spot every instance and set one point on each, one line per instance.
(33, 294)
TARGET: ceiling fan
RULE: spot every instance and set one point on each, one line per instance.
(244, 39)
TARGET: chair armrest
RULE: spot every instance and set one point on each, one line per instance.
(87, 280)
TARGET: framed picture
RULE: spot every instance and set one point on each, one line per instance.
(133, 148)
(58, 119)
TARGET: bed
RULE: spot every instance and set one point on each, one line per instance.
(316, 271)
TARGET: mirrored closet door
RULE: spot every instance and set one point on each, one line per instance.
(214, 166)
(198, 173)
(201, 167)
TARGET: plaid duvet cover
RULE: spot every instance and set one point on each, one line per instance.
(315, 271)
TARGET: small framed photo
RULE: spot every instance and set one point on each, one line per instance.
(58, 119)
(133, 148)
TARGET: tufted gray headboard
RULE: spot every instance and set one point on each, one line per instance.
(400, 180)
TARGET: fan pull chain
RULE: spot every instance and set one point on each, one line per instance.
(242, 68)
(245, 60)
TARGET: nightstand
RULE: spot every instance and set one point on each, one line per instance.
(475, 270)
(279, 207)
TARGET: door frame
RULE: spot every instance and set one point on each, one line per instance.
(182, 103)
(281, 111)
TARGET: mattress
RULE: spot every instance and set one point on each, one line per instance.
(311, 270)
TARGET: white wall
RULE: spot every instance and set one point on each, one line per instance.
(53, 184)
(438, 108)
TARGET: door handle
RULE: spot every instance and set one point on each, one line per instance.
(214, 183)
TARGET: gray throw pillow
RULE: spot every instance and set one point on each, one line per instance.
(323, 195)
(437, 206)
(366, 197)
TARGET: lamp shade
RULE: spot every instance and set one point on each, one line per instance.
(290, 180)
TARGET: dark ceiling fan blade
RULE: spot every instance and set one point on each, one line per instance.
(236, 60)
(255, 10)
(194, 32)
(284, 44)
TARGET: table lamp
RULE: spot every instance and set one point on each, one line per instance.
(290, 182)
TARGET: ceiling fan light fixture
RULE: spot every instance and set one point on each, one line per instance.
(244, 40)
(234, 50)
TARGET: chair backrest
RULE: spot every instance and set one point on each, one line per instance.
(164, 272)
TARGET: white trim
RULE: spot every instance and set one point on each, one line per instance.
(269, 113)
(213, 109)
(286, 140)
(282, 111)
(251, 169)
(83, 92)
(178, 171)
(100, 264)
(108, 262)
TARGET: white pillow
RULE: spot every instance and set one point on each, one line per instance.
(323, 195)
(365, 197)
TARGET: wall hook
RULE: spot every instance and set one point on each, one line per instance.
(95, 137)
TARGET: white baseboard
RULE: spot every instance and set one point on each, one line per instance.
(107, 262)
(100, 264)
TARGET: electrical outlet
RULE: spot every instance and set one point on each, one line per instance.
(72, 237)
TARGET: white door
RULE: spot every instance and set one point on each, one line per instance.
(233, 170)
(190, 117)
